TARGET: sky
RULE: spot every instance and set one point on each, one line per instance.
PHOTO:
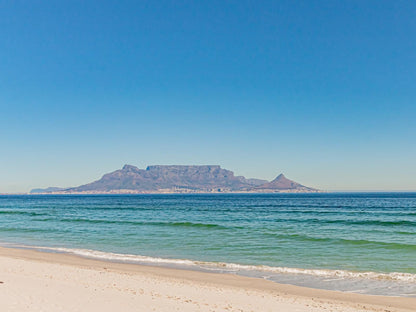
(323, 91)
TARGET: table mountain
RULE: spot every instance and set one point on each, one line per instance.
(179, 179)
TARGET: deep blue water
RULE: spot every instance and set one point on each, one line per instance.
(332, 235)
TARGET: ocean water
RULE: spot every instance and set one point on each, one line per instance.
(357, 242)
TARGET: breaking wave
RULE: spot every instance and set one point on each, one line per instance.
(231, 267)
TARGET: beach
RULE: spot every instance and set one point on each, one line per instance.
(39, 281)
(360, 243)
(207, 156)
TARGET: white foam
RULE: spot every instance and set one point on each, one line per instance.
(233, 267)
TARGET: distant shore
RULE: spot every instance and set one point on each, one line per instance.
(32, 280)
(167, 191)
(180, 179)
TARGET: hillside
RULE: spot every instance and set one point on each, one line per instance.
(179, 179)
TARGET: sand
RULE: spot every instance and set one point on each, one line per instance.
(38, 281)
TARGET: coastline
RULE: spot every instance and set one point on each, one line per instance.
(169, 191)
(39, 280)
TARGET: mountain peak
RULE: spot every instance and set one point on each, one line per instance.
(280, 177)
(283, 183)
(129, 168)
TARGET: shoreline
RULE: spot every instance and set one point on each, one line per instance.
(307, 277)
(166, 192)
(197, 285)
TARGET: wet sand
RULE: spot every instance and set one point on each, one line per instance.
(39, 281)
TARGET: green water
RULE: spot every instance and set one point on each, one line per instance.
(290, 234)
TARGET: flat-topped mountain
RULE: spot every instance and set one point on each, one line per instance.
(179, 179)
(168, 177)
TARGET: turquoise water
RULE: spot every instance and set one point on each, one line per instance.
(352, 242)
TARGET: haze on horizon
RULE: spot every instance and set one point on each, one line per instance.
(321, 91)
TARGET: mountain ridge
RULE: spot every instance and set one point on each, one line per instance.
(178, 179)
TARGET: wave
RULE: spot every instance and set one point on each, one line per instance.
(322, 205)
(406, 233)
(27, 213)
(28, 230)
(358, 242)
(374, 222)
(405, 223)
(348, 222)
(230, 267)
(121, 222)
(154, 223)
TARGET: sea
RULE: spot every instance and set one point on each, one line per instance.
(351, 242)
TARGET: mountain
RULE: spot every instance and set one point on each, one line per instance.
(282, 183)
(178, 179)
(47, 190)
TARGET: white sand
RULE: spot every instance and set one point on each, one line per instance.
(35, 281)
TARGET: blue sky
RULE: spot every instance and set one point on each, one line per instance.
(323, 91)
